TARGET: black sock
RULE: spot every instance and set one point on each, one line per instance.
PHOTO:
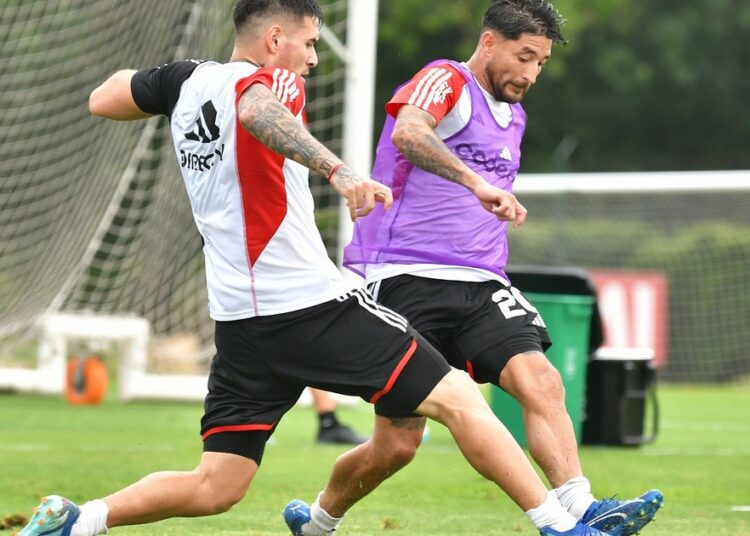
(328, 420)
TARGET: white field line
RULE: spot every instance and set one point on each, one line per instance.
(703, 426)
(697, 452)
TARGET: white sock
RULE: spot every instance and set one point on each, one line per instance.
(551, 514)
(321, 522)
(575, 496)
(93, 519)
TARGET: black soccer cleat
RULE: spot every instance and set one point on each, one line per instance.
(340, 435)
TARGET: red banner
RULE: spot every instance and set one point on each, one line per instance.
(633, 306)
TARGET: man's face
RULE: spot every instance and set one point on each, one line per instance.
(297, 46)
(514, 64)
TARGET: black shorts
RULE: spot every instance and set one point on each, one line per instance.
(478, 327)
(351, 345)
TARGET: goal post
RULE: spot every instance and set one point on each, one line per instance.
(94, 220)
(359, 101)
(690, 229)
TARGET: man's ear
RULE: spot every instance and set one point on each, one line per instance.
(273, 38)
(488, 40)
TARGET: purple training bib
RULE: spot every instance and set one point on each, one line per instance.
(436, 221)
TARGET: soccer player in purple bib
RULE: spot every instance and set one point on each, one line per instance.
(452, 140)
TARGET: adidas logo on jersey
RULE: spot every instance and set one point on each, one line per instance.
(505, 154)
(441, 93)
(285, 85)
(539, 322)
(205, 130)
(433, 88)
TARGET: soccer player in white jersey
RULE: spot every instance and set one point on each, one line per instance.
(451, 126)
(285, 317)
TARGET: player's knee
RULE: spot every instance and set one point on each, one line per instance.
(222, 504)
(221, 501)
(219, 495)
(550, 382)
(544, 387)
(401, 453)
(395, 446)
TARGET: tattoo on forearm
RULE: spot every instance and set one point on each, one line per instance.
(427, 150)
(275, 126)
(344, 177)
(423, 147)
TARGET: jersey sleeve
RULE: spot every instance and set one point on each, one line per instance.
(157, 89)
(435, 89)
(286, 85)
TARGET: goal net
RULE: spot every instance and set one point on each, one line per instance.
(93, 214)
(693, 229)
(94, 219)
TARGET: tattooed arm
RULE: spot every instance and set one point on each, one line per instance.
(415, 137)
(261, 113)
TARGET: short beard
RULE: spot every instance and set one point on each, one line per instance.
(511, 99)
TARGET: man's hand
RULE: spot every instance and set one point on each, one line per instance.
(361, 193)
(502, 204)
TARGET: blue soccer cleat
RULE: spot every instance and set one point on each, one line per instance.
(55, 516)
(624, 518)
(296, 514)
(579, 530)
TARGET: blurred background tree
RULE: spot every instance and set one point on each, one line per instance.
(642, 85)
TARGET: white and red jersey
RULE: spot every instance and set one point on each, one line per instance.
(253, 207)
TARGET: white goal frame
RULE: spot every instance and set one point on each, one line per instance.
(639, 181)
(57, 329)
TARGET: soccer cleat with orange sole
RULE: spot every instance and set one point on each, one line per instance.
(55, 516)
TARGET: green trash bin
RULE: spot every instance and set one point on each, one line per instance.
(569, 319)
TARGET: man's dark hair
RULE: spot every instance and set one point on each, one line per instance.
(245, 10)
(511, 18)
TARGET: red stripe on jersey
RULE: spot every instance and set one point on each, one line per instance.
(396, 372)
(238, 428)
(260, 170)
(434, 89)
(261, 177)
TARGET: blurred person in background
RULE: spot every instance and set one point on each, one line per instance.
(330, 429)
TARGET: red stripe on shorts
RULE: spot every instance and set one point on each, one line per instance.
(396, 372)
(470, 369)
(238, 428)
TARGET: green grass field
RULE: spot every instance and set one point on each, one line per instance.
(701, 461)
